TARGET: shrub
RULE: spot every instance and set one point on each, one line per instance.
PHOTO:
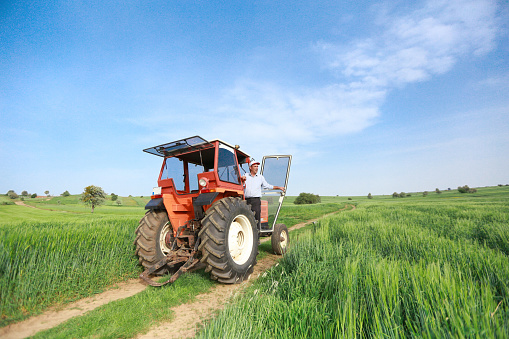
(466, 189)
(307, 198)
(65, 194)
(33, 195)
(370, 196)
(13, 195)
(114, 197)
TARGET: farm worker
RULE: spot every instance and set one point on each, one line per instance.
(253, 183)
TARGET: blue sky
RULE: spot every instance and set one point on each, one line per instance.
(368, 96)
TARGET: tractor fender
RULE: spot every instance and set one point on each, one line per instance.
(202, 200)
(155, 204)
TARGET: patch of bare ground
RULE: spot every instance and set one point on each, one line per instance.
(21, 203)
(189, 317)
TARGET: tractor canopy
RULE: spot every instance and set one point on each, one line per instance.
(175, 148)
(190, 145)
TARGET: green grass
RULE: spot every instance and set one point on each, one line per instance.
(434, 266)
(46, 263)
(411, 267)
(291, 214)
(63, 252)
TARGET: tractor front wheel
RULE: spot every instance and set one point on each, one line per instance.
(153, 239)
(280, 239)
(229, 240)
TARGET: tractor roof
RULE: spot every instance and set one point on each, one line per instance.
(175, 148)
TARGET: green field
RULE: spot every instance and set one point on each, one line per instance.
(418, 266)
(434, 267)
(60, 251)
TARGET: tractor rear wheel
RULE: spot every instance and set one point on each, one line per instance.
(229, 240)
(152, 239)
(280, 239)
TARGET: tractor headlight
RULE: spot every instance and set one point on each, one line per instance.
(203, 182)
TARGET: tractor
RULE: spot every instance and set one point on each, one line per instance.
(198, 213)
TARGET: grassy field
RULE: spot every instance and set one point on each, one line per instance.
(433, 267)
(418, 266)
(60, 252)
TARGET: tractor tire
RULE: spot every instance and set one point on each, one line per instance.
(280, 239)
(229, 240)
(150, 239)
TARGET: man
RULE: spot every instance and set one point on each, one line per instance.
(254, 183)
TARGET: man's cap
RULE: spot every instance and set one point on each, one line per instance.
(253, 162)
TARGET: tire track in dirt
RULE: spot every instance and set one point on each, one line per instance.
(55, 317)
(21, 203)
(188, 318)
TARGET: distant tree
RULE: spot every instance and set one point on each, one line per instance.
(349, 198)
(33, 195)
(307, 198)
(437, 191)
(114, 197)
(466, 189)
(13, 195)
(65, 194)
(395, 195)
(47, 193)
(119, 202)
(425, 193)
(370, 196)
(93, 196)
(402, 195)
(24, 193)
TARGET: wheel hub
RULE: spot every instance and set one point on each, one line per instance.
(283, 240)
(240, 239)
(165, 238)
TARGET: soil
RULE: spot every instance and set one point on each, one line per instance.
(21, 203)
(189, 317)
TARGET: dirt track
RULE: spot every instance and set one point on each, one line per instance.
(188, 316)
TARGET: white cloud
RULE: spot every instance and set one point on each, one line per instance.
(418, 45)
(409, 48)
(287, 117)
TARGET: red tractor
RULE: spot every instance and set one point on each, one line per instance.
(198, 212)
